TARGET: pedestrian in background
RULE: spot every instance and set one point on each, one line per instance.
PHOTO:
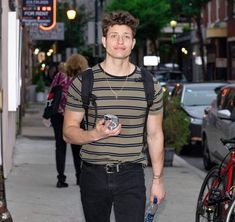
(74, 65)
(113, 159)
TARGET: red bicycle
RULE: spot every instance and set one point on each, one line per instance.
(217, 190)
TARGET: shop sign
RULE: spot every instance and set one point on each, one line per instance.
(40, 13)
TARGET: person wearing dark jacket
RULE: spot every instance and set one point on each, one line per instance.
(73, 66)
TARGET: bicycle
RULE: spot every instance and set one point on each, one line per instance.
(231, 212)
(217, 190)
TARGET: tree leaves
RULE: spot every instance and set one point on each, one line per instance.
(153, 15)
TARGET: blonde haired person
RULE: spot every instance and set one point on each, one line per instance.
(73, 67)
(75, 64)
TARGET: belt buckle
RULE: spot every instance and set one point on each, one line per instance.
(112, 168)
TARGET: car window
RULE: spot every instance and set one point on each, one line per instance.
(198, 96)
(229, 101)
(176, 77)
(221, 98)
(167, 76)
(161, 77)
(177, 91)
(233, 109)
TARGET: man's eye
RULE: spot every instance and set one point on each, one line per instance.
(113, 36)
(127, 37)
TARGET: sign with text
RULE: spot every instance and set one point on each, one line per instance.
(40, 13)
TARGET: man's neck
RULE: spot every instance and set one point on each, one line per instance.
(117, 67)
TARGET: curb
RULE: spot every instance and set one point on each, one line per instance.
(180, 161)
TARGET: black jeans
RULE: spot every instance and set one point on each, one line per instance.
(124, 190)
(57, 121)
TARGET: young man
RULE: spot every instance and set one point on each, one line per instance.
(112, 169)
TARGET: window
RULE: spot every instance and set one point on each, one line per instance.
(199, 96)
(233, 8)
(226, 9)
(221, 98)
(217, 10)
(177, 91)
(229, 101)
(209, 13)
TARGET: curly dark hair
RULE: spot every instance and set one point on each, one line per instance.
(119, 18)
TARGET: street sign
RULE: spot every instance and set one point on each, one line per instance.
(40, 13)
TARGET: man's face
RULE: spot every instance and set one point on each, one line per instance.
(119, 41)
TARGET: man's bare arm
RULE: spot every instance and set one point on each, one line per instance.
(155, 141)
(74, 134)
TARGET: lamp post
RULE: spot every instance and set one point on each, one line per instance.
(173, 25)
(71, 13)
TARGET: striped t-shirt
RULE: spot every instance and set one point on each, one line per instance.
(130, 107)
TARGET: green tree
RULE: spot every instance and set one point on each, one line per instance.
(153, 16)
(74, 29)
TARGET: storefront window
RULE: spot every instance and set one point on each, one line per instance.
(233, 60)
(233, 8)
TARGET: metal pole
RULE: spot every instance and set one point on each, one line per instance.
(173, 45)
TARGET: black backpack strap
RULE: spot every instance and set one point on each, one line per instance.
(147, 78)
(86, 93)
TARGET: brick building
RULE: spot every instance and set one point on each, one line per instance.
(219, 20)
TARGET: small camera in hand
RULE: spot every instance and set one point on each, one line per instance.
(113, 121)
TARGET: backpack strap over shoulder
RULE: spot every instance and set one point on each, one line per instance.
(147, 78)
(86, 93)
(148, 86)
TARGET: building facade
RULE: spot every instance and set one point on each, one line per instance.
(9, 68)
(219, 20)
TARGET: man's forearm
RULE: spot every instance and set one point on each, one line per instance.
(156, 152)
(76, 135)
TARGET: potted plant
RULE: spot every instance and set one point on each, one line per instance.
(175, 127)
(40, 90)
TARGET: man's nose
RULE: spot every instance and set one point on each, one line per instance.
(120, 39)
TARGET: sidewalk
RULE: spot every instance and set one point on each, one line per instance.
(33, 197)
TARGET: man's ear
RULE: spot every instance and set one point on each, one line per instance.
(104, 41)
(133, 44)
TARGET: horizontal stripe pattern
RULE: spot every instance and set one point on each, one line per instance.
(130, 107)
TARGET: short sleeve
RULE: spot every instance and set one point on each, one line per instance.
(74, 101)
(158, 100)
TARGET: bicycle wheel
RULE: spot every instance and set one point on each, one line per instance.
(210, 207)
(231, 213)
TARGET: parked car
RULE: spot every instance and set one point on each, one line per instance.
(194, 98)
(169, 78)
(218, 122)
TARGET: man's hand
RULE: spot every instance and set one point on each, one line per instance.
(157, 190)
(102, 130)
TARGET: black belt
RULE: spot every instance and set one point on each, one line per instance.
(113, 167)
